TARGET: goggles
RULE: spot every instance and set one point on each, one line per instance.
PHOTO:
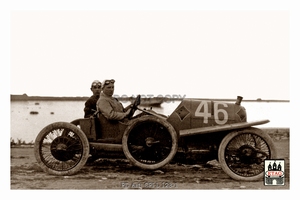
(106, 82)
(96, 85)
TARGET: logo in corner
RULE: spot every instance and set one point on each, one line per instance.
(274, 172)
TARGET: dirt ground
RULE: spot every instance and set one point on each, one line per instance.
(120, 174)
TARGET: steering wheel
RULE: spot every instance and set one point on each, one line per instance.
(135, 104)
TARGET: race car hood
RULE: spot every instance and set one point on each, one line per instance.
(196, 113)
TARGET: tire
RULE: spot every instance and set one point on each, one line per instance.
(61, 149)
(149, 142)
(76, 122)
(242, 153)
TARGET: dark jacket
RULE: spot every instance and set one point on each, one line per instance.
(90, 106)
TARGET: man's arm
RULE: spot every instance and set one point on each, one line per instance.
(106, 109)
(128, 107)
(87, 109)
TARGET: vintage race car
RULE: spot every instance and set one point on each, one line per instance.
(150, 140)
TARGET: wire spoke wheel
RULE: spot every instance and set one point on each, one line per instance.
(242, 153)
(61, 149)
(149, 142)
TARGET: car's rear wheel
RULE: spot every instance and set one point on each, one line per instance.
(242, 154)
(61, 148)
(149, 142)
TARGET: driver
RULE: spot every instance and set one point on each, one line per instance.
(109, 106)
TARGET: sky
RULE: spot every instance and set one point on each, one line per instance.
(191, 53)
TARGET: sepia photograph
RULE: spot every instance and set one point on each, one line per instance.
(164, 96)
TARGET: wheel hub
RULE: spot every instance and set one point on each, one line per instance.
(60, 148)
(247, 154)
(150, 141)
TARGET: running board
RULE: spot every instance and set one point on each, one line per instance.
(106, 146)
(217, 128)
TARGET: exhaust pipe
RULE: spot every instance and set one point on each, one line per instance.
(239, 100)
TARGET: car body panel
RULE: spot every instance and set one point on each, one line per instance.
(196, 113)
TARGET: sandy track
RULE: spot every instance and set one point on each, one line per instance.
(120, 174)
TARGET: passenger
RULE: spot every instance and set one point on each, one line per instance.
(109, 106)
(90, 106)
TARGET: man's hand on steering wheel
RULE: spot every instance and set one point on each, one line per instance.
(134, 106)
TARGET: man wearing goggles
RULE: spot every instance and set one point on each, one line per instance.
(109, 106)
(90, 106)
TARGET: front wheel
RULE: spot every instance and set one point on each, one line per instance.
(242, 153)
(149, 142)
(61, 148)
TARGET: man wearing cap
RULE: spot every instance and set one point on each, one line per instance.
(109, 106)
(90, 106)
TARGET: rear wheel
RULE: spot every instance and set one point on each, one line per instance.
(149, 142)
(61, 149)
(242, 154)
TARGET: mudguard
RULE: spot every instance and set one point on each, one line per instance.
(217, 128)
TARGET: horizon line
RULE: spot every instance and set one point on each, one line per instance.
(26, 97)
